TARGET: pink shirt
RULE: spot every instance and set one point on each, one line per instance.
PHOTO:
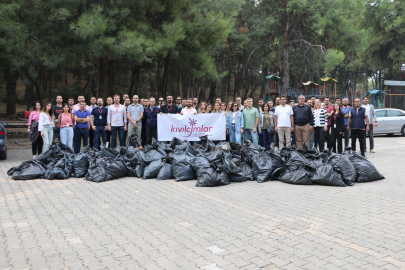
(65, 119)
(34, 115)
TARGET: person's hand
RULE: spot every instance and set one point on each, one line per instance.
(125, 128)
(311, 128)
(181, 113)
(341, 133)
(195, 113)
(109, 128)
(260, 131)
(376, 124)
(348, 128)
(276, 129)
(94, 128)
(254, 130)
(292, 129)
(330, 132)
(367, 128)
(227, 132)
(28, 130)
(42, 134)
(325, 128)
(241, 131)
(105, 128)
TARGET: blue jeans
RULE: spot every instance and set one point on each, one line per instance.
(99, 131)
(233, 136)
(346, 135)
(120, 131)
(47, 130)
(66, 136)
(56, 133)
(79, 134)
(250, 135)
(311, 139)
(267, 139)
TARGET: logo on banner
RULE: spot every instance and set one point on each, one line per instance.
(191, 130)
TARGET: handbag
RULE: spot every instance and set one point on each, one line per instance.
(271, 130)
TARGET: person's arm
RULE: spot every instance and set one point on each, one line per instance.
(73, 122)
(140, 117)
(92, 122)
(125, 120)
(242, 125)
(40, 124)
(292, 122)
(109, 119)
(29, 122)
(59, 117)
(256, 124)
(342, 122)
(349, 121)
(367, 124)
(375, 118)
(311, 119)
(275, 123)
(130, 118)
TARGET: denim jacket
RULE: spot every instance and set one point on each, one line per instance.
(238, 121)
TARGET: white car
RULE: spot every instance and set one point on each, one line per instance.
(390, 121)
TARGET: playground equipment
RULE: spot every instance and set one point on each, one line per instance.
(377, 98)
(327, 92)
(272, 87)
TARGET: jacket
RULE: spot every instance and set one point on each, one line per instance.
(358, 118)
(261, 116)
(340, 121)
(238, 121)
(372, 116)
(323, 117)
(34, 134)
(151, 116)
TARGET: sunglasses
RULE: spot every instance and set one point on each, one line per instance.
(160, 100)
(178, 98)
(235, 105)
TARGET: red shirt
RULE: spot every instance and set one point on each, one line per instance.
(329, 109)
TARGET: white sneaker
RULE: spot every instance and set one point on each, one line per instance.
(372, 151)
(34, 156)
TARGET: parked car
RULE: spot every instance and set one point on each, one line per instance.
(390, 121)
(3, 141)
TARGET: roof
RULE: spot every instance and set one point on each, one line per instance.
(273, 78)
(374, 92)
(328, 79)
(395, 83)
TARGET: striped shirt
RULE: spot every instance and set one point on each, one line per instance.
(320, 117)
(117, 116)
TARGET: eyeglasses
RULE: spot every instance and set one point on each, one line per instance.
(160, 100)
(178, 98)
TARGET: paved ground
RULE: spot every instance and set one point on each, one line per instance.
(145, 224)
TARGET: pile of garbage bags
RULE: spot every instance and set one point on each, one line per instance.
(211, 165)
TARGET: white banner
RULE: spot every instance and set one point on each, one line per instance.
(190, 127)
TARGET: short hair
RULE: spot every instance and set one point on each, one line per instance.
(312, 97)
(99, 98)
(260, 99)
(337, 98)
(249, 99)
(301, 96)
(72, 98)
(346, 99)
(178, 97)
(80, 95)
(326, 98)
(127, 98)
(169, 96)
(109, 97)
(116, 95)
(92, 97)
(59, 96)
(125, 94)
(152, 98)
(190, 99)
(365, 97)
(238, 97)
(281, 97)
(82, 101)
(357, 98)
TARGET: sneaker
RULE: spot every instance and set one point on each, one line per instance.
(372, 151)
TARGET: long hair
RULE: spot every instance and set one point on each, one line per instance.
(340, 108)
(51, 114)
(233, 106)
(205, 105)
(64, 105)
(213, 109)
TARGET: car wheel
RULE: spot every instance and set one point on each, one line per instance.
(403, 131)
(3, 155)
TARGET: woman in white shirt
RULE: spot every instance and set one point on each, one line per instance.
(320, 116)
(45, 125)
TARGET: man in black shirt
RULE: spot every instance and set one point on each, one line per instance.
(98, 121)
(303, 122)
(57, 109)
(169, 107)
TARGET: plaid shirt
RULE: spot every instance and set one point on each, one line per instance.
(117, 116)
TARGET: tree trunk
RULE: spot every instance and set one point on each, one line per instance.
(179, 71)
(220, 90)
(165, 77)
(101, 78)
(111, 77)
(11, 86)
(286, 75)
(135, 71)
(29, 95)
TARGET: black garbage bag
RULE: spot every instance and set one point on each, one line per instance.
(31, 169)
(154, 155)
(276, 159)
(165, 172)
(235, 146)
(181, 167)
(295, 159)
(262, 167)
(81, 164)
(152, 170)
(96, 171)
(198, 163)
(109, 152)
(214, 156)
(206, 143)
(248, 152)
(277, 173)
(325, 175)
(175, 141)
(234, 172)
(133, 141)
(212, 177)
(198, 150)
(247, 171)
(47, 156)
(297, 176)
(62, 169)
(316, 159)
(342, 164)
(115, 169)
(365, 170)
(139, 169)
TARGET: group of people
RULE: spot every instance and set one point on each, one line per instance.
(270, 124)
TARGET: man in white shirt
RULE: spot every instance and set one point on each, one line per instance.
(284, 122)
(189, 108)
(239, 103)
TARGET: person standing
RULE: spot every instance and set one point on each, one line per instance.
(303, 121)
(345, 110)
(189, 108)
(217, 108)
(135, 115)
(151, 113)
(266, 125)
(284, 122)
(143, 133)
(82, 119)
(124, 97)
(65, 123)
(224, 108)
(57, 109)
(320, 120)
(77, 106)
(117, 121)
(311, 132)
(234, 124)
(260, 105)
(178, 103)
(71, 102)
(45, 125)
(34, 134)
(357, 117)
(209, 108)
(239, 103)
(98, 121)
(277, 101)
(195, 103)
(127, 102)
(251, 122)
(337, 126)
(93, 104)
(329, 110)
(169, 108)
(109, 103)
(370, 111)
